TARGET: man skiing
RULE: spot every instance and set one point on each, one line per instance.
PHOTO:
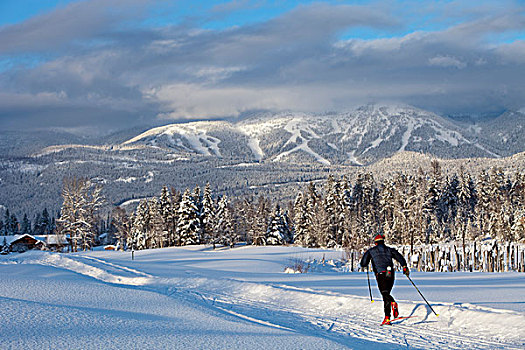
(383, 266)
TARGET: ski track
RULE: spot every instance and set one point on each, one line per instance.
(303, 310)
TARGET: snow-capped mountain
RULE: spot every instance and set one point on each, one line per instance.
(361, 136)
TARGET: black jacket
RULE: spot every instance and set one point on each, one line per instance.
(381, 256)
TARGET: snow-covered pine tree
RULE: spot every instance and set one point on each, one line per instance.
(432, 207)
(166, 213)
(316, 217)
(301, 220)
(332, 208)
(133, 234)
(278, 231)
(365, 201)
(260, 221)
(176, 198)
(207, 214)
(345, 201)
(387, 199)
(219, 220)
(466, 204)
(229, 236)
(518, 228)
(517, 191)
(187, 227)
(156, 232)
(483, 206)
(197, 200)
(449, 200)
(139, 228)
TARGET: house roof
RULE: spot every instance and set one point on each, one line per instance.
(53, 239)
(13, 239)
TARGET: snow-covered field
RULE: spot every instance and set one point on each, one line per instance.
(197, 298)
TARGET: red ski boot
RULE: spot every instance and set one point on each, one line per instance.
(395, 311)
(386, 321)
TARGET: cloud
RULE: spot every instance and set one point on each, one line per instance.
(107, 62)
(81, 20)
(446, 61)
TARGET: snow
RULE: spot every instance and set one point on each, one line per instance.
(195, 134)
(196, 297)
(353, 158)
(406, 135)
(126, 179)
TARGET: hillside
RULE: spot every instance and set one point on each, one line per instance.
(271, 154)
(360, 137)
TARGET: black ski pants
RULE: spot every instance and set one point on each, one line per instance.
(385, 285)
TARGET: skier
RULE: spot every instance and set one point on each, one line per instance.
(383, 266)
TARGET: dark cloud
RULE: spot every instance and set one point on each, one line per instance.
(98, 65)
(83, 20)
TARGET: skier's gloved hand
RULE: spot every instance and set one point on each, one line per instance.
(406, 271)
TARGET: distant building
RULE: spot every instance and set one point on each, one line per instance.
(54, 242)
(25, 242)
(20, 243)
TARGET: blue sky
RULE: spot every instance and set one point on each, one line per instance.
(122, 62)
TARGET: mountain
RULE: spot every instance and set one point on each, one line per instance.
(359, 137)
(270, 154)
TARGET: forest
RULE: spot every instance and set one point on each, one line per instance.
(423, 208)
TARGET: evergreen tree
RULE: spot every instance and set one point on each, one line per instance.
(139, 230)
(14, 226)
(259, 223)
(36, 225)
(466, 204)
(167, 214)
(7, 219)
(228, 228)
(484, 206)
(25, 227)
(301, 220)
(207, 214)
(278, 231)
(332, 234)
(316, 217)
(199, 223)
(176, 199)
(518, 228)
(188, 225)
(156, 232)
(134, 232)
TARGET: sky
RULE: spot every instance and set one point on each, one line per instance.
(110, 64)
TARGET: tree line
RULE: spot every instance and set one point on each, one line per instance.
(423, 208)
(42, 224)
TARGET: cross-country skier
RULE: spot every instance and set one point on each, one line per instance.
(383, 266)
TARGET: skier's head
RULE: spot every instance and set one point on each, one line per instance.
(380, 238)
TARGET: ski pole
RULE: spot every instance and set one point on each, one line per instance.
(421, 295)
(369, 289)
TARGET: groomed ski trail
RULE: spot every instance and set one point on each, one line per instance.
(344, 318)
